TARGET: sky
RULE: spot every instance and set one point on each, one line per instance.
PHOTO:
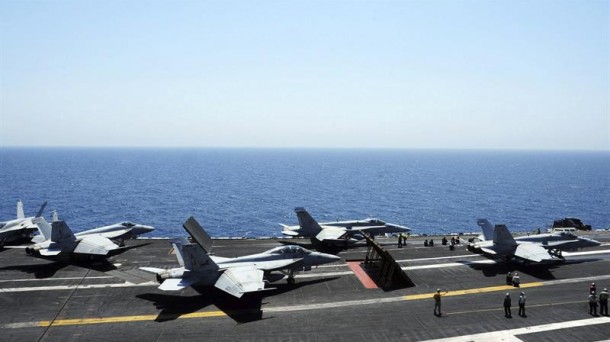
(437, 74)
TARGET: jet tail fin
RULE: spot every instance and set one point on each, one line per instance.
(194, 258)
(44, 227)
(39, 214)
(307, 222)
(20, 213)
(198, 234)
(177, 244)
(502, 236)
(60, 232)
(487, 227)
(54, 216)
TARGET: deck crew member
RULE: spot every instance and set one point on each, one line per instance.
(593, 304)
(437, 302)
(603, 302)
(509, 278)
(507, 306)
(522, 304)
(516, 280)
(592, 288)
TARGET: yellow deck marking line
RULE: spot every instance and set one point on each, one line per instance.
(208, 314)
(473, 291)
(123, 319)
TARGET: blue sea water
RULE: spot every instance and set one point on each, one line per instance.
(247, 192)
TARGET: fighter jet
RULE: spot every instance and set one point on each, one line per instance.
(60, 241)
(19, 229)
(340, 232)
(118, 232)
(554, 243)
(504, 247)
(235, 276)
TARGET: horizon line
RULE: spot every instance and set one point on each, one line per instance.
(353, 148)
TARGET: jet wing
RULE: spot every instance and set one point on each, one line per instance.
(290, 232)
(532, 252)
(239, 280)
(376, 230)
(331, 233)
(17, 226)
(175, 284)
(95, 244)
(49, 252)
(274, 265)
(115, 234)
(488, 251)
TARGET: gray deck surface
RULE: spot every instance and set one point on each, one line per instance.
(41, 300)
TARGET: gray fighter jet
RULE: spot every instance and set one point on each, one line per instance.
(340, 232)
(235, 276)
(19, 229)
(61, 242)
(118, 232)
(555, 243)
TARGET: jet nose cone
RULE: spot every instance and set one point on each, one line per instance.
(594, 243)
(328, 258)
(142, 229)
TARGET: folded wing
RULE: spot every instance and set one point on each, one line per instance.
(239, 280)
(331, 234)
(95, 244)
(532, 252)
(176, 284)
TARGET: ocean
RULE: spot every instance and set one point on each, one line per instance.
(248, 192)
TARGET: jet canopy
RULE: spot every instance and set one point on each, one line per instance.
(298, 250)
(568, 235)
(375, 221)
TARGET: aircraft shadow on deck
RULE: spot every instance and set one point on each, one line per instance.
(279, 288)
(241, 310)
(48, 270)
(55, 264)
(246, 309)
(542, 272)
(126, 248)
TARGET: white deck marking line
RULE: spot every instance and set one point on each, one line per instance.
(576, 280)
(447, 257)
(603, 251)
(415, 260)
(324, 275)
(56, 279)
(484, 261)
(71, 287)
(449, 264)
(511, 334)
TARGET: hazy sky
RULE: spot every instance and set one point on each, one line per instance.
(399, 74)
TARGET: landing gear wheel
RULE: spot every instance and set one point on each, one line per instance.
(291, 280)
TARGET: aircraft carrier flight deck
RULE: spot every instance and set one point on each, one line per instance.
(42, 300)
